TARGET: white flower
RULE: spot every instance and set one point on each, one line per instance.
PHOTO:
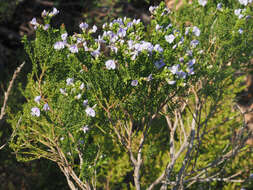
(81, 86)
(240, 31)
(202, 2)
(243, 2)
(157, 27)
(90, 111)
(94, 29)
(85, 128)
(196, 31)
(54, 12)
(110, 64)
(35, 111)
(170, 38)
(59, 45)
(37, 99)
(152, 9)
(171, 82)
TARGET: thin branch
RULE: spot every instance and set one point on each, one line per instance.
(7, 93)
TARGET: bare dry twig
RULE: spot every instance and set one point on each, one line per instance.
(6, 96)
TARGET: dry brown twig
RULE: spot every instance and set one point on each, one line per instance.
(7, 94)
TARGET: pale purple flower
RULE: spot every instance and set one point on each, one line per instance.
(169, 26)
(85, 46)
(33, 21)
(70, 81)
(181, 74)
(95, 53)
(64, 36)
(240, 31)
(219, 6)
(190, 70)
(238, 13)
(187, 29)
(145, 46)
(104, 25)
(121, 32)
(46, 27)
(189, 52)
(85, 102)
(174, 47)
(63, 91)
(181, 59)
(79, 40)
(78, 96)
(110, 64)
(174, 69)
(85, 128)
(194, 43)
(251, 176)
(202, 2)
(134, 83)
(90, 111)
(83, 26)
(44, 13)
(170, 38)
(158, 48)
(54, 12)
(150, 77)
(73, 48)
(37, 99)
(35, 111)
(191, 63)
(114, 49)
(196, 31)
(59, 45)
(159, 64)
(157, 27)
(136, 21)
(46, 107)
(152, 9)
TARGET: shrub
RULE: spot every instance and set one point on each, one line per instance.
(139, 106)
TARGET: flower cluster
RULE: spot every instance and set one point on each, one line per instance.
(76, 90)
(35, 111)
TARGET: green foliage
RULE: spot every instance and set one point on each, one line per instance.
(99, 112)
